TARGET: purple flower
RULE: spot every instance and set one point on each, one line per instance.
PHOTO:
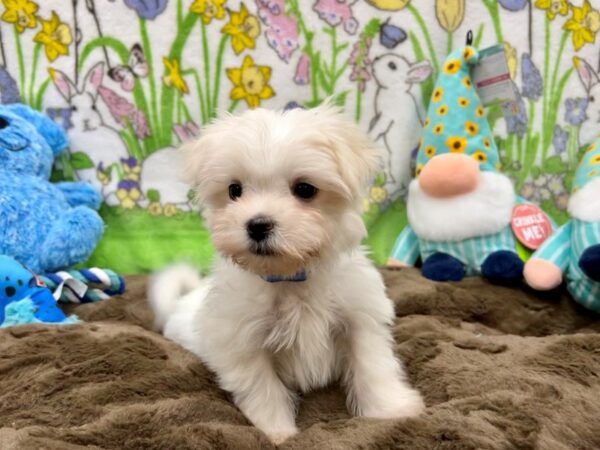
(124, 112)
(131, 162)
(61, 116)
(128, 185)
(559, 139)
(531, 78)
(147, 9)
(9, 91)
(529, 191)
(336, 12)
(302, 75)
(575, 110)
(292, 105)
(360, 62)
(128, 193)
(274, 7)
(515, 115)
(513, 5)
(391, 35)
(282, 30)
(562, 201)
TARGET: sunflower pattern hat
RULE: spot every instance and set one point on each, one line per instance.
(589, 166)
(455, 121)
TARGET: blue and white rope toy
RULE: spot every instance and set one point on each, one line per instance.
(84, 285)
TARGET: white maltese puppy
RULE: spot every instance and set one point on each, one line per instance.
(293, 303)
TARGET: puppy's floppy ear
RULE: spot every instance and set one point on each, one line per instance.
(191, 153)
(196, 156)
(356, 155)
(200, 166)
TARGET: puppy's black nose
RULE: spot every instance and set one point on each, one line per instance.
(259, 228)
(10, 291)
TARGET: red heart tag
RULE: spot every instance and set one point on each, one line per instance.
(530, 225)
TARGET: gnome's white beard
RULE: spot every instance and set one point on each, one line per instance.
(484, 211)
(585, 203)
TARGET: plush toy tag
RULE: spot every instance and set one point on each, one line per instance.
(491, 77)
(530, 225)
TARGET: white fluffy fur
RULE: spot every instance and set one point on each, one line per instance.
(267, 341)
(484, 211)
(585, 203)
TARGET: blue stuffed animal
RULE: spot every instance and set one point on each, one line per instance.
(24, 298)
(45, 226)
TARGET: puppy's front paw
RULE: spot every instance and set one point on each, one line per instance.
(279, 436)
(400, 403)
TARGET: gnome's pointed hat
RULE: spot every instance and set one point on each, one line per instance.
(456, 121)
(589, 166)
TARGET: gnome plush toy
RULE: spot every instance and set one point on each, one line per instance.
(574, 249)
(459, 205)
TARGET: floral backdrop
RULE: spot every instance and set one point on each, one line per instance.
(129, 80)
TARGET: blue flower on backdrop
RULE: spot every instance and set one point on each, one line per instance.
(292, 105)
(391, 35)
(61, 116)
(9, 91)
(515, 114)
(531, 78)
(147, 9)
(559, 139)
(513, 5)
(575, 110)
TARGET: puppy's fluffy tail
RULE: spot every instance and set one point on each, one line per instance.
(167, 287)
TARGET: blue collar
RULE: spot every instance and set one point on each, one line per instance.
(300, 276)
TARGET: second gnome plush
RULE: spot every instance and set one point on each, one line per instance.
(574, 250)
(459, 205)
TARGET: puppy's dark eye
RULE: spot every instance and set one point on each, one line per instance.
(592, 99)
(304, 191)
(392, 65)
(235, 191)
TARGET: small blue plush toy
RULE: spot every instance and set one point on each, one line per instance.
(45, 226)
(24, 298)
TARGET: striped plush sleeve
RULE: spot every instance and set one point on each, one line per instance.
(406, 249)
(557, 248)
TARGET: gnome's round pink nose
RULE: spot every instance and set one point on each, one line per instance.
(449, 174)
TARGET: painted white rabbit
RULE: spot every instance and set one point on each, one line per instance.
(161, 171)
(92, 133)
(590, 129)
(398, 116)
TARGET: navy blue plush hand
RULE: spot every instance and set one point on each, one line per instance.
(443, 267)
(503, 267)
(590, 262)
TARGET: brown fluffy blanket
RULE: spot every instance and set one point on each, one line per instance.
(500, 369)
